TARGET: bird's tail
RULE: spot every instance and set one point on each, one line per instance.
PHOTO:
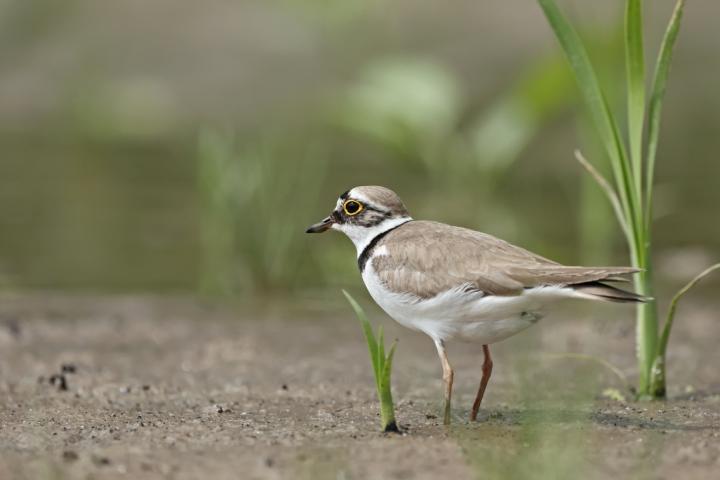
(603, 291)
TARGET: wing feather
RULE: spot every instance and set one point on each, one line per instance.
(428, 258)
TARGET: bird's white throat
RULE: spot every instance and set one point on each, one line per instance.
(362, 236)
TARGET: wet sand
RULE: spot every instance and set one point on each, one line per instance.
(149, 387)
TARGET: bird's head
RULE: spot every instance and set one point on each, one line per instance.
(364, 212)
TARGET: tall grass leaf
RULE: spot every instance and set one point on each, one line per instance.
(367, 330)
(382, 366)
(608, 190)
(387, 371)
(657, 372)
(673, 306)
(635, 70)
(380, 354)
(652, 380)
(387, 411)
(626, 185)
(662, 69)
(594, 97)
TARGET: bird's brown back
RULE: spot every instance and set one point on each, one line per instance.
(427, 258)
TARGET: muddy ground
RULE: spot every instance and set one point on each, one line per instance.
(173, 388)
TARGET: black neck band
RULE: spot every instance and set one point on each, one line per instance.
(367, 251)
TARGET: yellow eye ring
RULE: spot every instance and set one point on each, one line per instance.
(352, 207)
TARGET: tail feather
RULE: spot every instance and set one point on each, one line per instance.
(602, 291)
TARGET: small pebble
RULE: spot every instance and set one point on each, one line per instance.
(69, 456)
(60, 381)
(100, 460)
(68, 368)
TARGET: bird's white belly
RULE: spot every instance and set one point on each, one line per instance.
(457, 314)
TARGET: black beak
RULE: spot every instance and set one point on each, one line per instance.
(321, 226)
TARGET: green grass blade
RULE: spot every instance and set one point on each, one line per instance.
(665, 337)
(635, 71)
(387, 371)
(594, 97)
(369, 335)
(390, 356)
(387, 411)
(652, 380)
(382, 366)
(662, 69)
(380, 353)
(657, 373)
(609, 193)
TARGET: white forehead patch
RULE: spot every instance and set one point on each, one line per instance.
(357, 195)
(354, 194)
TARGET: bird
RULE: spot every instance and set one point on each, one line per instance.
(454, 283)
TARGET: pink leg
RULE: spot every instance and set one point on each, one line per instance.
(486, 372)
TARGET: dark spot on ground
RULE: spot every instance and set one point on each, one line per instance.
(13, 327)
(59, 381)
(70, 455)
(100, 461)
(68, 368)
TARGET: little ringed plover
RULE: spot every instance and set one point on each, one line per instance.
(454, 283)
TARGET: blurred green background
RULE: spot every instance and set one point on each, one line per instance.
(181, 146)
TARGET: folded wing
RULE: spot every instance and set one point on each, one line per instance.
(428, 258)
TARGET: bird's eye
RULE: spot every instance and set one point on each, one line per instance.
(352, 207)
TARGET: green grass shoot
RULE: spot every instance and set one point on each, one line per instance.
(658, 369)
(632, 161)
(382, 366)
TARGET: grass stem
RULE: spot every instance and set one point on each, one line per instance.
(632, 203)
(381, 364)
